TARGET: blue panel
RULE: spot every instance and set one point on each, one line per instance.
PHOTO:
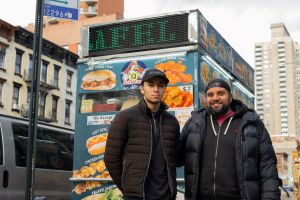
(60, 12)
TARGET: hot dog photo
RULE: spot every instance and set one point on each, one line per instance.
(99, 80)
(96, 144)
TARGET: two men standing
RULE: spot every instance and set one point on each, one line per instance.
(225, 148)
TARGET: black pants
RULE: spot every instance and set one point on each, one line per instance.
(133, 198)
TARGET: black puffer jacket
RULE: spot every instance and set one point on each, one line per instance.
(255, 157)
(128, 148)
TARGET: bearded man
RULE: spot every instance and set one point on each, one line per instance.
(227, 151)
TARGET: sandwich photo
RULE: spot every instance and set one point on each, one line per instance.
(99, 80)
(96, 144)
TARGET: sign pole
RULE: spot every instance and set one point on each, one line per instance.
(32, 131)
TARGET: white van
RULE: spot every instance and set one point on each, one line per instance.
(54, 161)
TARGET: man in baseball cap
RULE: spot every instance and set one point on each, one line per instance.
(143, 143)
(218, 83)
(227, 151)
(218, 104)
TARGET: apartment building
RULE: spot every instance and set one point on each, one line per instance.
(277, 82)
(278, 90)
(57, 80)
(66, 33)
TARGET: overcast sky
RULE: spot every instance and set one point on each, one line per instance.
(241, 22)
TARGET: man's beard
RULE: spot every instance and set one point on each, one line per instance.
(224, 109)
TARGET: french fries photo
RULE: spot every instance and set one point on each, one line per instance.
(175, 97)
(174, 72)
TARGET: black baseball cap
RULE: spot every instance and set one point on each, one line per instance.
(218, 83)
(154, 73)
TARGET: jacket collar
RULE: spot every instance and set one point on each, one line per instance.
(237, 106)
(248, 115)
(199, 116)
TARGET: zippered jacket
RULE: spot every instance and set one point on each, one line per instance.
(255, 157)
(129, 144)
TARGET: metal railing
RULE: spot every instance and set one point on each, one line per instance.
(108, 180)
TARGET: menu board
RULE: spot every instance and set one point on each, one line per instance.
(209, 72)
(215, 44)
(237, 93)
(242, 71)
(224, 54)
(123, 75)
(90, 141)
(180, 99)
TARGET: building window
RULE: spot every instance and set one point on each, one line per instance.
(69, 79)
(30, 67)
(15, 99)
(28, 94)
(79, 49)
(42, 104)
(54, 107)
(56, 75)
(2, 56)
(18, 62)
(67, 112)
(81, 10)
(1, 149)
(1, 90)
(91, 9)
(44, 71)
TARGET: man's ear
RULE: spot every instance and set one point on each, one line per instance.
(142, 89)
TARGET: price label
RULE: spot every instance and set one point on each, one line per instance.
(187, 88)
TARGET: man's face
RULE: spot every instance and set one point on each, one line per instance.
(218, 100)
(153, 90)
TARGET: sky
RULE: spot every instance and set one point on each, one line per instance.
(241, 22)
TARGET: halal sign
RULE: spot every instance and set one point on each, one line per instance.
(132, 74)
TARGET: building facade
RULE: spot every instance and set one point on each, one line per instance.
(278, 89)
(93, 8)
(276, 76)
(66, 33)
(57, 80)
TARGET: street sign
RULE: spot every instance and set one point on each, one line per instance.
(67, 9)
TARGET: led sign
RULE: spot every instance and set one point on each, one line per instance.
(138, 35)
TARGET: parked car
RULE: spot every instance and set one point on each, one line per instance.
(54, 161)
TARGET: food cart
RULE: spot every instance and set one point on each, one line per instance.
(115, 57)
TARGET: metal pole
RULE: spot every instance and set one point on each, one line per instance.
(37, 49)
